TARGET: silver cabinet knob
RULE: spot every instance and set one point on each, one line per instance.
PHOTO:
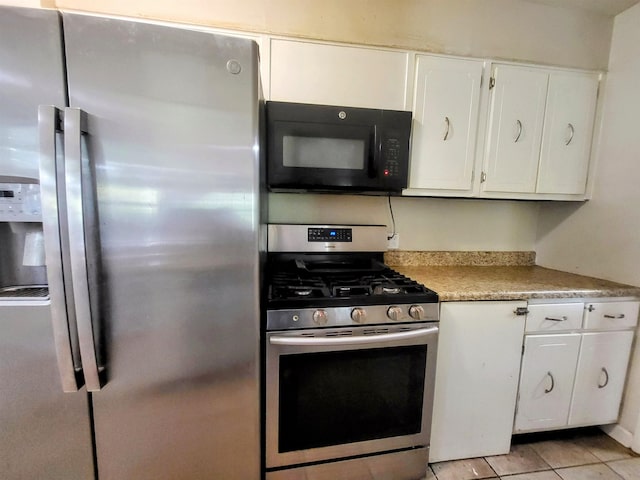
(319, 317)
(358, 315)
(394, 313)
(416, 312)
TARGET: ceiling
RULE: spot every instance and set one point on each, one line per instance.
(605, 7)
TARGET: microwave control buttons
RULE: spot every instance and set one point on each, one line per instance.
(392, 157)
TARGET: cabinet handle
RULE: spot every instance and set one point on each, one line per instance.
(553, 384)
(519, 123)
(446, 134)
(621, 315)
(606, 378)
(571, 135)
(553, 319)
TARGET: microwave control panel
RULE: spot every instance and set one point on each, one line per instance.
(391, 151)
(20, 202)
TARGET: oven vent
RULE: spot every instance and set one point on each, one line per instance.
(375, 331)
(340, 333)
(307, 334)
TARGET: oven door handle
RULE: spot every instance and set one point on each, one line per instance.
(290, 340)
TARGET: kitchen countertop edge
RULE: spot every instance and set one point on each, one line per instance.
(478, 283)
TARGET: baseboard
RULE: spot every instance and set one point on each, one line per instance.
(619, 434)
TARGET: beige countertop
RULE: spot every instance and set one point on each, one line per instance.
(463, 282)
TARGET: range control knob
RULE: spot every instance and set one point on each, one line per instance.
(358, 315)
(320, 317)
(416, 312)
(394, 313)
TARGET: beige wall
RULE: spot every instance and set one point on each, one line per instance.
(506, 29)
(602, 237)
(29, 3)
(422, 223)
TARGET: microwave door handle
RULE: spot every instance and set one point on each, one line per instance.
(376, 153)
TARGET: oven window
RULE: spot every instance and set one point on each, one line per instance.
(333, 398)
(318, 152)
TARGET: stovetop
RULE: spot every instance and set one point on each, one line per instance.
(325, 276)
(335, 280)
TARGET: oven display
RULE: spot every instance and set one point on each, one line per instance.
(329, 235)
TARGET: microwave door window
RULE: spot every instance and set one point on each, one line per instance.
(318, 152)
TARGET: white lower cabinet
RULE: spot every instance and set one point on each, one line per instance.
(575, 378)
(602, 368)
(546, 381)
(479, 352)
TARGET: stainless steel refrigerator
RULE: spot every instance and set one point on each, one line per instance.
(146, 142)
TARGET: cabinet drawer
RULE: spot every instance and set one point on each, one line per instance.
(553, 317)
(611, 315)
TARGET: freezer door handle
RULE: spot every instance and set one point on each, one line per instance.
(83, 245)
(52, 191)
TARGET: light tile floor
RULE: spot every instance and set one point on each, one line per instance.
(582, 454)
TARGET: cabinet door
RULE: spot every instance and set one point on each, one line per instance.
(515, 129)
(602, 368)
(308, 72)
(479, 351)
(568, 128)
(447, 94)
(546, 381)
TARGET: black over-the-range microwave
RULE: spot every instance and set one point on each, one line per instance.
(337, 149)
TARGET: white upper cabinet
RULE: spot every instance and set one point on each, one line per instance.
(540, 133)
(527, 134)
(568, 128)
(309, 72)
(445, 124)
(515, 129)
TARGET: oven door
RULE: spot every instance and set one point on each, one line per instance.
(337, 393)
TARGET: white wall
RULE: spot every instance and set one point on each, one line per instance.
(601, 238)
(422, 223)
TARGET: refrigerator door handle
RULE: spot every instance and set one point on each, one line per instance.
(83, 241)
(54, 227)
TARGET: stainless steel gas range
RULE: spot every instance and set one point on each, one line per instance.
(350, 358)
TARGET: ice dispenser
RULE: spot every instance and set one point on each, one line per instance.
(22, 262)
